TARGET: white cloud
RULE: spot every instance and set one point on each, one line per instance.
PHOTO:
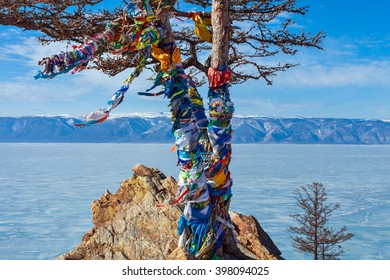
(344, 63)
(28, 52)
(270, 106)
(283, 16)
(11, 33)
(363, 74)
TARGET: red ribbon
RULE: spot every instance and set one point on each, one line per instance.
(218, 78)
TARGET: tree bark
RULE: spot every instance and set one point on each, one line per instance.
(220, 21)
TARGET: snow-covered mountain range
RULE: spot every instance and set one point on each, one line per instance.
(148, 128)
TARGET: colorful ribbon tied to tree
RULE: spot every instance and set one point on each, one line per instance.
(203, 146)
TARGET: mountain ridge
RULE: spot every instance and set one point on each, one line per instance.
(156, 128)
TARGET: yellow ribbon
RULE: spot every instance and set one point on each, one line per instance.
(201, 29)
(164, 58)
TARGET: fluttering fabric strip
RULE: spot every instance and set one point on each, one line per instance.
(140, 39)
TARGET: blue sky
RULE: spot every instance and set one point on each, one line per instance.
(349, 79)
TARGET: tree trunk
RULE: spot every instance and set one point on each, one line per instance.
(220, 21)
(221, 111)
(316, 227)
(168, 35)
(193, 191)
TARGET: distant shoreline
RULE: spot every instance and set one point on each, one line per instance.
(139, 129)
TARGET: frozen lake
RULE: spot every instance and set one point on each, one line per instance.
(47, 189)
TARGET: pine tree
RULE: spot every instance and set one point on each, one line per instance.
(229, 43)
(313, 235)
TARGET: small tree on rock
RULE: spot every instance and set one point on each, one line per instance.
(313, 235)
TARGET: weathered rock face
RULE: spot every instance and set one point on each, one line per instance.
(130, 225)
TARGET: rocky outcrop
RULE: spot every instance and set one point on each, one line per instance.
(135, 223)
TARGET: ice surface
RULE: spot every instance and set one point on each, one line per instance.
(47, 189)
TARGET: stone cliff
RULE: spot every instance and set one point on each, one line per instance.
(129, 225)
